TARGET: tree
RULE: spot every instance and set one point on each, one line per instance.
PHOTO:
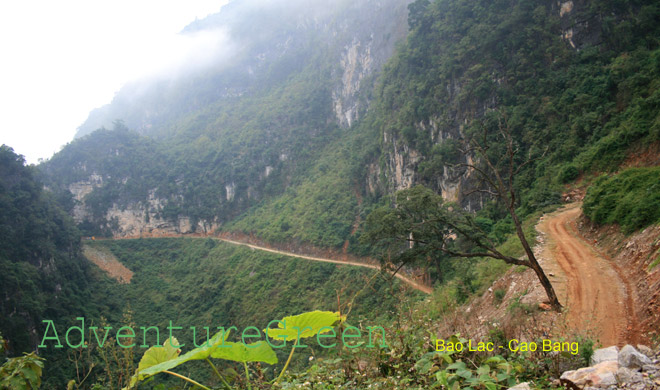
(416, 12)
(422, 224)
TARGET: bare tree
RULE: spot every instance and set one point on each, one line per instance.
(499, 177)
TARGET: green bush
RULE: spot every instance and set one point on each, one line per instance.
(568, 174)
(630, 199)
(498, 295)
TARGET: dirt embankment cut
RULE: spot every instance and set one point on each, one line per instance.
(108, 263)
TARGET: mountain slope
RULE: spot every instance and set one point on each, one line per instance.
(576, 80)
(44, 275)
(277, 161)
(295, 85)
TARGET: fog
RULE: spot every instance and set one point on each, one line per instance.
(62, 59)
(183, 53)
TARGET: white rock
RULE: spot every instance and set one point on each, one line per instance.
(645, 350)
(605, 355)
(600, 375)
(626, 375)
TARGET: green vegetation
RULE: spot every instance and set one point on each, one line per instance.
(43, 272)
(424, 227)
(162, 359)
(320, 210)
(271, 161)
(209, 171)
(265, 156)
(224, 140)
(568, 173)
(630, 199)
(414, 361)
(22, 372)
(654, 263)
(585, 109)
(235, 285)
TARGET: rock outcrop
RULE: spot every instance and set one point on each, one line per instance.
(134, 219)
(613, 369)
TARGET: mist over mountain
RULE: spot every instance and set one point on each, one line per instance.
(234, 130)
(251, 47)
(289, 112)
(279, 112)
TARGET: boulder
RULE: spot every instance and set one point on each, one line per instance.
(601, 375)
(629, 357)
(605, 355)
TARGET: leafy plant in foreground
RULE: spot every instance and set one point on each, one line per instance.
(21, 373)
(162, 359)
(451, 372)
(302, 326)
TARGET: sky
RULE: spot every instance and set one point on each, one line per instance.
(61, 59)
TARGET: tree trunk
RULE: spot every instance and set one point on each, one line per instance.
(534, 264)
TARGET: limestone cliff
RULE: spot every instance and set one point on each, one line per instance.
(369, 42)
(135, 219)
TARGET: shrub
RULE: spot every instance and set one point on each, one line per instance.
(630, 199)
(498, 295)
(568, 174)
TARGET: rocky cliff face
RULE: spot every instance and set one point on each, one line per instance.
(370, 34)
(356, 63)
(403, 161)
(578, 30)
(80, 190)
(138, 221)
(135, 219)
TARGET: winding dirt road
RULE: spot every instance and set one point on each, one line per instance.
(409, 281)
(592, 288)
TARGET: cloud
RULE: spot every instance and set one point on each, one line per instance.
(182, 53)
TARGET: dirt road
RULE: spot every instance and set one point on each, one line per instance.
(409, 281)
(591, 287)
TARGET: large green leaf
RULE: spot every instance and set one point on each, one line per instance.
(159, 354)
(204, 351)
(200, 353)
(159, 359)
(239, 352)
(156, 359)
(307, 325)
